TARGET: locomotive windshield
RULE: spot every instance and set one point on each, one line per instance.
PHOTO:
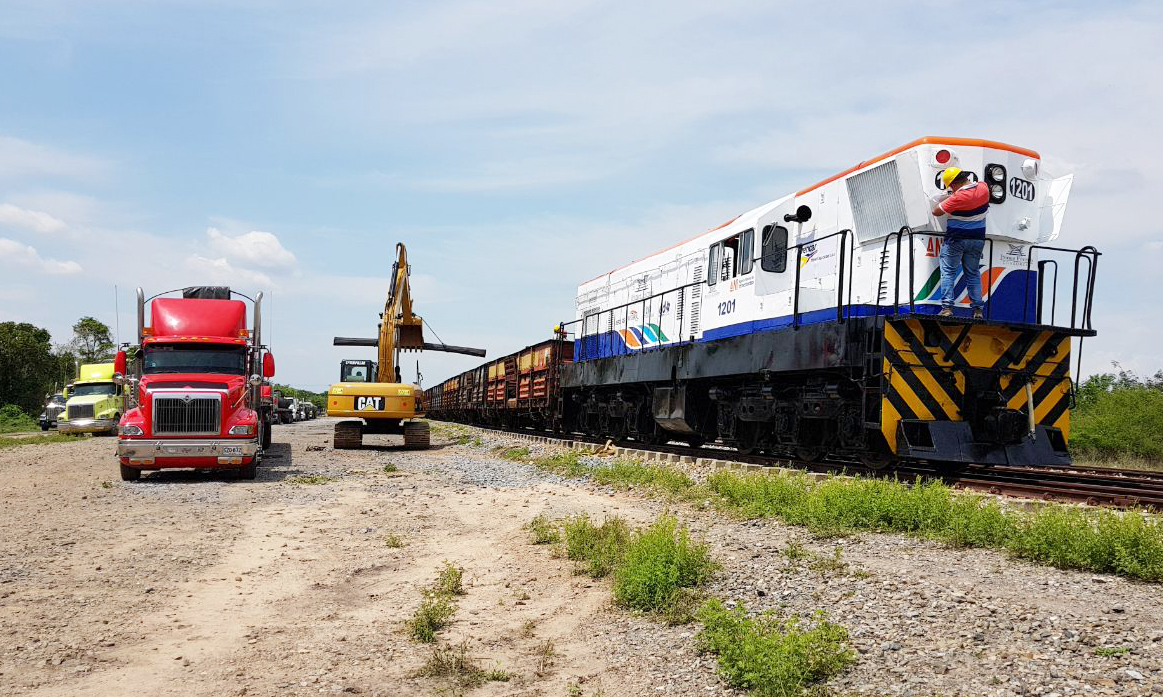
(195, 358)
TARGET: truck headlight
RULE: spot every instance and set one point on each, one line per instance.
(131, 430)
(242, 430)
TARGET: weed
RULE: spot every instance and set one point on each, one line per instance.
(830, 565)
(106, 485)
(431, 616)
(635, 473)
(567, 463)
(38, 440)
(455, 663)
(528, 627)
(498, 674)
(391, 467)
(1111, 650)
(769, 655)
(796, 551)
(449, 580)
(597, 548)
(1121, 542)
(393, 540)
(545, 531)
(545, 653)
(573, 689)
(658, 562)
(520, 453)
(310, 479)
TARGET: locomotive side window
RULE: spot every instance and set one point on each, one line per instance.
(774, 249)
(746, 251)
(713, 264)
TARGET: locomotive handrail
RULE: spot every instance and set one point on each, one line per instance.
(1090, 255)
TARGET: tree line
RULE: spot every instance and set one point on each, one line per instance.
(31, 366)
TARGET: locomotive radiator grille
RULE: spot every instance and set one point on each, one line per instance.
(81, 411)
(187, 415)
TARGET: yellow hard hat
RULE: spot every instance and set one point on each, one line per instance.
(949, 175)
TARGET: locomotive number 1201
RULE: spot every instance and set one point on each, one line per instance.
(726, 307)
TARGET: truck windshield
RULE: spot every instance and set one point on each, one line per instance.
(92, 388)
(195, 358)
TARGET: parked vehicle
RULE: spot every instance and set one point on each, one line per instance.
(54, 405)
(197, 385)
(95, 402)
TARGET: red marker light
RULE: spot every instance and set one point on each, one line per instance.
(943, 156)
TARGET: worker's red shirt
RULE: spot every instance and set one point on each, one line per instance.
(967, 208)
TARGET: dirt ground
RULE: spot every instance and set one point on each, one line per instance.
(191, 584)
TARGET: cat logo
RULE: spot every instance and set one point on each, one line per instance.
(1020, 188)
(369, 403)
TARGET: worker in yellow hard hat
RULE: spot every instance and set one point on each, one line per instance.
(966, 205)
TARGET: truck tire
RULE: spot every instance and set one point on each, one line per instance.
(130, 474)
(44, 427)
(417, 435)
(249, 471)
(348, 435)
(266, 435)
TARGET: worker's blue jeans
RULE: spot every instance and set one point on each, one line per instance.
(961, 255)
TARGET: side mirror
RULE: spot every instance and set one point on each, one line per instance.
(119, 363)
(268, 365)
(255, 380)
(802, 215)
(119, 378)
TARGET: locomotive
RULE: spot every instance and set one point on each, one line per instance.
(808, 327)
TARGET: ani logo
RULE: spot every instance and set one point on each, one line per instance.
(933, 247)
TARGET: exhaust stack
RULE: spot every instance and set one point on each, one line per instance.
(140, 315)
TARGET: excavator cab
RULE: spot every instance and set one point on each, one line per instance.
(357, 371)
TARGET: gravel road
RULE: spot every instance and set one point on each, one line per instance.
(191, 584)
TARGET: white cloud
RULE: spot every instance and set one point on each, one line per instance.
(38, 221)
(25, 255)
(20, 159)
(221, 271)
(255, 248)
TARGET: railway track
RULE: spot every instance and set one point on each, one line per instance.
(1117, 488)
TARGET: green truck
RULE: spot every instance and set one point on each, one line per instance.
(95, 403)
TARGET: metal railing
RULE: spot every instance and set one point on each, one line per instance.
(603, 326)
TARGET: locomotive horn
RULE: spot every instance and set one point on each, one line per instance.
(802, 215)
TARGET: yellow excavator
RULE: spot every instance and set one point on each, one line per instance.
(372, 391)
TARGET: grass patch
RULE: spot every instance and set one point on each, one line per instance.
(1102, 540)
(769, 655)
(545, 531)
(455, 663)
(1109, 651)
(598, 549)
(393, 540)
(310, 479)
(391, 467)
(450, 580)
(41, 439)
(566, 463)
(658, 563)
(432, 616)
(518, 453)
(633, 473)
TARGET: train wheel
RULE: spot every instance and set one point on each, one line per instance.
(695, 441)
(809, 454)
(348, 435)
(417, 435)
(878, 461)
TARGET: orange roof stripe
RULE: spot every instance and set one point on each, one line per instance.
(676, 244)
(927, 140)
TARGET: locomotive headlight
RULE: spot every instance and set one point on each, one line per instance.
(997, 174)
(996, 191)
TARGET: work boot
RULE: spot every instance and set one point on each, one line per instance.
(945, 312)
(978, 314)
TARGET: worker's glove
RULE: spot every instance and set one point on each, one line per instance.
(939, 197)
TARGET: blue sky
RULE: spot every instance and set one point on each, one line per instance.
(520, 147)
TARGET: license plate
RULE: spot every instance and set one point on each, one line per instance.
(232, 450)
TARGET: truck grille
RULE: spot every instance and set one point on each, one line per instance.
(81, 411)
(187, 415)
(53, 412)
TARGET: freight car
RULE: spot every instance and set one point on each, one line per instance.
(808, 327)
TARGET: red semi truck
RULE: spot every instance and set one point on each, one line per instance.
(197, 380)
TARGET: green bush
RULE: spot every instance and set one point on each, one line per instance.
(13, 419)
(1125, 421)
(567, 463)
(431, 616)
(545, 531)
(769, 655)
(658, 562)
(597, 548)
(450, 580)
(1099, 540)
